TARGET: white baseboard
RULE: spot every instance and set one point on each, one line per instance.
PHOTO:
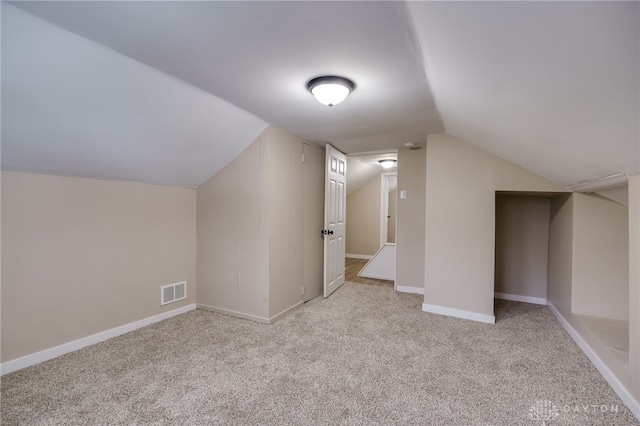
(285, 312)
(519, 298)
(249, 317)
(624, 394)
(47, 354)
(377, 277)
(233, 313)
(407, 289)
(458, 313)
(358, 256)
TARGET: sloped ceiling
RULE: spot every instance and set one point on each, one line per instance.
(551, 86)
(169, 92)
(72, 107)
(361, 168)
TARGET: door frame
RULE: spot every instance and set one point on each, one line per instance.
(313, 168)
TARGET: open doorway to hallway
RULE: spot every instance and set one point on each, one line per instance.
(371, 218)
(354, 266)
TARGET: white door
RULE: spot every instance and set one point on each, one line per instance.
(335, 198)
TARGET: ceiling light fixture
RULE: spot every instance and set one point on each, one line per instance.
(387, 164)
(330, 90)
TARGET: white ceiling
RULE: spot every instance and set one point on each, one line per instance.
(551, 86)
(71, 107)
(169, 92)
(361, 168)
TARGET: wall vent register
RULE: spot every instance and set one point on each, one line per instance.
(173, 292)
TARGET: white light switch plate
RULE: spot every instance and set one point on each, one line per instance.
(403, 194)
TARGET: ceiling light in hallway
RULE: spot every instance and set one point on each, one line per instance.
(387, 164)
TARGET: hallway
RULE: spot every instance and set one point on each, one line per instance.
(353, 266)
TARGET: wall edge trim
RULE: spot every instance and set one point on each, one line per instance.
(233, 313)
(620, 389)
(358, 256)
(409, 289)
(285, 312)
(377, 277)
(83, 342)
(520, 298)
(606, 182)
(458, 313)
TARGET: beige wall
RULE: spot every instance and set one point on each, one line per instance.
(233, 235)
(461, 182)
(619, 195)
(634, 283)
(363, 219)
(601, 257)
(522, 240)
(410, 244)
(285, 218)
(0, 269)
(560, 267)
(571, 244)
(393, 211)
(313, 220)
(250, 231)
(81, 256)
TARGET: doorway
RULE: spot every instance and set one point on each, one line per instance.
(371, 212)
(521, 246)
(569, 250)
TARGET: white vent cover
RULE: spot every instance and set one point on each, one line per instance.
(173, 292)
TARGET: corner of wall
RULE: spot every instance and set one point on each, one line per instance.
(461, 183)
(410, 231)
(598, 223)
(285, 210)
(634, 282)
(233, 232)
(560, 267)
(1, 264)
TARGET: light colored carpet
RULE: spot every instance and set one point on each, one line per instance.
(365, 356)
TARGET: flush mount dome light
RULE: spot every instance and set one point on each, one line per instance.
(330, 90)
(387, 164)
